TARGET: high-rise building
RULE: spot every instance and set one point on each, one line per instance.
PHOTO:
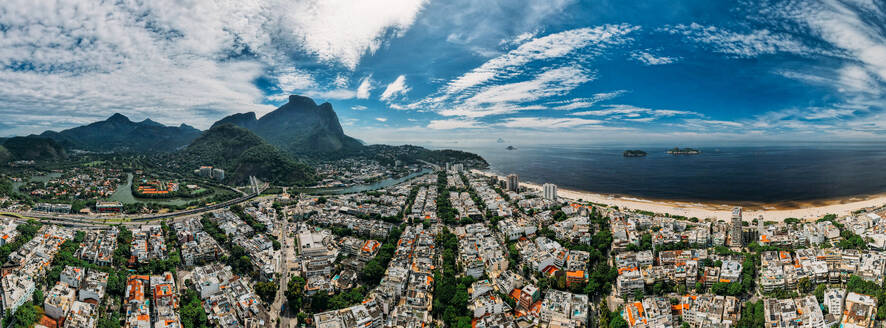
(735, 235)
(550, 191)
(512, 183)
(218, 174)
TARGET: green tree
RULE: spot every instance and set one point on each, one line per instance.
(192, 313)
(294, 292)
(617, 321)
(266, 290)
(26, 315)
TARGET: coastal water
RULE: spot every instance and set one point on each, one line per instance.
(764, 174)
(361, 188)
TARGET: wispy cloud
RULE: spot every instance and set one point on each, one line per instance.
(290, 79)
(358, 107)
(505, 98)
(540, 68)
(381, 119)
(634, 113)
(546, 123)
(555, 45)
(705, 124)
(647, 58)
(745, 45)
(395, 89)
(365, 88)
(578, 103)
(456, 123)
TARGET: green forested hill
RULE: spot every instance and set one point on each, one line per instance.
(34, 148)
(241, 153)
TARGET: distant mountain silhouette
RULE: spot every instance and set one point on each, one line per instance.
(118, 133)
(300, 127)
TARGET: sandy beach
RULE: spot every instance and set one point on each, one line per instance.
(771, 212)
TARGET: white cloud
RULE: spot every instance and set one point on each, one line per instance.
(343, 30)
(359, 107)
(579, 103)
(338, 94)
(341, 81)
(311, 89)
(365, 88)
(718, 123)
(549, 83)
(829, 113)
(395, 89)
(546, 123)
(480, 26)
(193, 62)
(524, 37)
(381, 119)
(742, 45)
(634, 112)
(856, 78)
(838, 24)
(649, 59)
(456, 123)
(509, 97)
(520, 38)
(550, 46)
(853, 30)
(514, 82)
(291, 79)
(91, 59)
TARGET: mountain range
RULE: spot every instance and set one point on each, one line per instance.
(119, 134)
(242, 144)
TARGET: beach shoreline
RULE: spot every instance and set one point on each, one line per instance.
(804, 210)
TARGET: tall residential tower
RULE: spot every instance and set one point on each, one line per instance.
(512, 183)
(735, 233)
(550, 191)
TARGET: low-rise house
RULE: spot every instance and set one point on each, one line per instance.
(72, 276)
(859, 311)
(92, 290)
(58, 301)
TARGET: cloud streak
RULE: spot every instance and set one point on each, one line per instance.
(395, 89)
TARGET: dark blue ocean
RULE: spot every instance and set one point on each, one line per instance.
(753, 174)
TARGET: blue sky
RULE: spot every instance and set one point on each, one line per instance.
(443, 72)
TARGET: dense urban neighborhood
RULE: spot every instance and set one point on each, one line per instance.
(442, 164)
(445, 246)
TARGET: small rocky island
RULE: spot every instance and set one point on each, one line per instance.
(684, 151)
(511, 148)
(634, 153)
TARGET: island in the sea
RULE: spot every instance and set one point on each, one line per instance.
(634, 153)
(511, 148)
(683, 151)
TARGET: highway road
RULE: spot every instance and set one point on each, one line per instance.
(105, 222)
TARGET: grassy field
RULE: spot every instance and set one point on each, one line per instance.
(16, 215)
